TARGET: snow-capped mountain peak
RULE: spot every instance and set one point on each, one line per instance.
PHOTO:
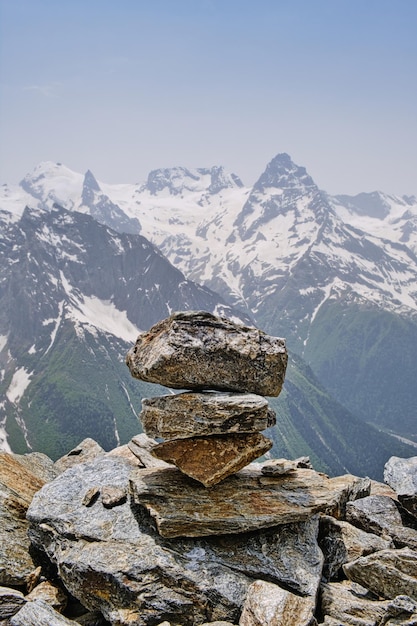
(180, 180)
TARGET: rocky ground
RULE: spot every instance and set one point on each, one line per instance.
(123, 538)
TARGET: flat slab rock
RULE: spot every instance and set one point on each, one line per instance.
(197, 350)
(210, 413)
(243, 502)
(212, 459)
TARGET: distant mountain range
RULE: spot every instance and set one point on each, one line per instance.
(86, 265)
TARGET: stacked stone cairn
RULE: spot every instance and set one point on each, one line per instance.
(212, 430)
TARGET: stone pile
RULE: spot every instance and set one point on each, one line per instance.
(213, 430)
(112, 567)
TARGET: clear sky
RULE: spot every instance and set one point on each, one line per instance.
(122, 87)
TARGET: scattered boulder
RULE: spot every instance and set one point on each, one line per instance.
(268, 604)
(401, 475)
(87, 450)
(37, 613)
(387, 573)
(11, 601)
(52, 594)
(341, 542)
(380, 515)
(197, 350)
(347, 604)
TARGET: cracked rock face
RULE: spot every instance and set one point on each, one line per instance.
(197, 350)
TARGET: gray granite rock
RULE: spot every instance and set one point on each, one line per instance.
(401, 475)
(87, 450)
(380, 515)
(387, 573)
(344, 604)
(191, 414)
(341, 542)
(39, 613)
(11, 601)
(197, 350)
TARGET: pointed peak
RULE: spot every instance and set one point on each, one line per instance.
(282, 172)
(90, 181)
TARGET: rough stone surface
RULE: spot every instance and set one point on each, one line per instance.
(17, 487)
(341, 542)
(387, 573)
(274, 467)
(113, 560)
(243, 502)
(11, 602)
(380, 515)
(344, 604)
(268, 604)
(209, 413)
(51, 594)
(401, 475)
(38, 464)
(141, 447)
(212, 459)
(197, 350)
(39, 613)
(87, 450)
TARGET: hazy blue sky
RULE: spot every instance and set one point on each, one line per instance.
(125, 86)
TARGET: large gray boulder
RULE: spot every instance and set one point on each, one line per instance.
(113, 560)
(197, 350)
(380, 515)
(342, 542)
(401, 475)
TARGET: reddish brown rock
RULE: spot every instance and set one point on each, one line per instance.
(211, 459)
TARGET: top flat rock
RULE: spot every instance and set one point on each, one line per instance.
(197, 350)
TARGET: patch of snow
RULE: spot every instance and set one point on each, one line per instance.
(3, 341)
(4, 445)
(18, 385)
(104, 316)
(57, 324)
